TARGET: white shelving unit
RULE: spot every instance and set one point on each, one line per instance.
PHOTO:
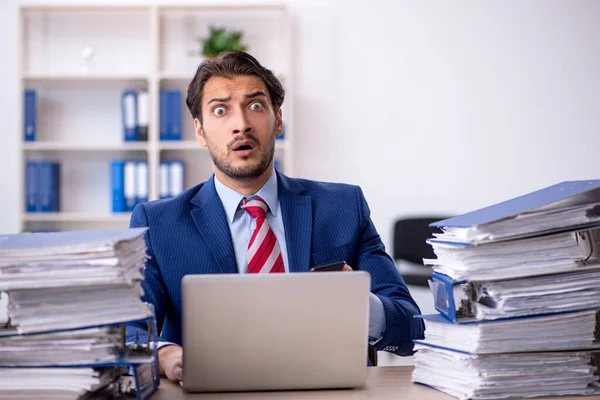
(147, 47)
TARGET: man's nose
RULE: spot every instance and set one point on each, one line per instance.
(242, 125)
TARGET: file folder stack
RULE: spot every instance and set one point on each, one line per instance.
(70, 297)
(517, 286)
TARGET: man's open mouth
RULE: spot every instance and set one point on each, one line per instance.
(244, 147)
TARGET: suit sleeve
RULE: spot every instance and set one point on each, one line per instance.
(401, 327)
(153, 285)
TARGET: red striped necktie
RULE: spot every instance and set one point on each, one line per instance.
(264, 254)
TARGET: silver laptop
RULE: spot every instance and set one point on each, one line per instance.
(275, 331)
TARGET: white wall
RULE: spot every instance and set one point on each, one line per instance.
(432, 107)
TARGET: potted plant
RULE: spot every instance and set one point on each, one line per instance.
(220, 40)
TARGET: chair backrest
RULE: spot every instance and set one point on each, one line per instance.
(410, 235)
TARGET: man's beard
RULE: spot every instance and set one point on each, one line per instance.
(248, 172)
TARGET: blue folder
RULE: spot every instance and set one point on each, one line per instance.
(30, 116)
(117, 173)
(164, 115)
(175, 115)
(572, 190)
(129, 111)
(31, 186)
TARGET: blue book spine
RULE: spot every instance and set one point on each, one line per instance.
(141, 181)
(117, 179)
(164, 115)
(31, 186)
(129, 111)
(175, 114)
(30, 115)
(163, 179)
(55, 187)
(44, 186)
(176, 177)
(130, 185)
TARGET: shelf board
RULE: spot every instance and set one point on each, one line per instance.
(61, 146)
(193, 145)
(82, 77)
(76, 217)
(176, 76)
(180, 145)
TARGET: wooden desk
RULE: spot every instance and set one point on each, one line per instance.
(382, 383)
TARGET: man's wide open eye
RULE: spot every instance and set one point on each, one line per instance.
(219, 111)
(256, 106)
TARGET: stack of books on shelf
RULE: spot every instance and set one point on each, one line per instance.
(71, 296)
(42, 186)
(517, 286)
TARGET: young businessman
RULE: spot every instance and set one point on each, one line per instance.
(250, 218)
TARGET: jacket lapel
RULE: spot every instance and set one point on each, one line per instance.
(211, 221)
(296, 211)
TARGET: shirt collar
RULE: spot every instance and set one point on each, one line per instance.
(231, 199)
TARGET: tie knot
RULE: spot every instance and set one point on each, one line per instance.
(257, 207)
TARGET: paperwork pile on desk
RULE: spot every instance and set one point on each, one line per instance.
(70, 294)
(517, 286)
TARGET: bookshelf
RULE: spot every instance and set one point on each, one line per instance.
(140, 47)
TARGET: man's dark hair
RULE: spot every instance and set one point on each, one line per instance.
(227, 65)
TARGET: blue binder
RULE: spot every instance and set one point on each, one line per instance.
(141, 181)
(30, 116)
(31, 186)
(164, 115)
(45, 187)
(175, 115)
(129, 114)
(572, 190)
(55, 187)
(117, 174)
(443, 289)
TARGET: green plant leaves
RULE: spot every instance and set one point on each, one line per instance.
(220, 40)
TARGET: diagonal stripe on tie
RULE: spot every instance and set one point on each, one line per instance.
(264, 254)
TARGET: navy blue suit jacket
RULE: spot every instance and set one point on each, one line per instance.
(323, 222)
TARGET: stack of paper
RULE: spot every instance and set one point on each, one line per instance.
(72, 279)
(473, 376)
(52, 383)
(83, 346)
(517, 286)
(567, 331)
(513, 259)
(70, 295)
(572, 291)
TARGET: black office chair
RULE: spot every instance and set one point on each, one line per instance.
(410, 235)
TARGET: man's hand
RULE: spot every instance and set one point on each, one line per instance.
(347, 268)
(171, 362)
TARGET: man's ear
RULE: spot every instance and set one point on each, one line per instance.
(199, 133)
(279, 123)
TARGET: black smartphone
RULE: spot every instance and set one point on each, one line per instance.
(335, 266)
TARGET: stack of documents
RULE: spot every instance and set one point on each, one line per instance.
(493, 376)
(83, 346)
(567, 331)
(70, 296)
(517, 286)
(70, 280)
(52, 383)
